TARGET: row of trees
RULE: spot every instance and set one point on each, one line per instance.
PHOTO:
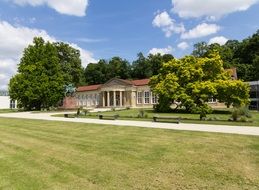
(244, 55)
(143, 67)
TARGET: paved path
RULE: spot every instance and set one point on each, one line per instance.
(181, 126)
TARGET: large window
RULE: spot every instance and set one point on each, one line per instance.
(139, 97)
(147, 97)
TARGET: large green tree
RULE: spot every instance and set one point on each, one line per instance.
(43, 71)
(190, 82)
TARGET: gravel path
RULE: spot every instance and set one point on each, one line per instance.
(182, 126)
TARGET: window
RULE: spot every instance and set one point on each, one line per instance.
(12, 104)
(154, 99)
(139, 97)
(147, 97)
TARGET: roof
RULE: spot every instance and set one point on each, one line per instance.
(141, 82)
(88, 88)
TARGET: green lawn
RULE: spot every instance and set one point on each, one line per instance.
(8, 110)
(220, 117)
(59, 155)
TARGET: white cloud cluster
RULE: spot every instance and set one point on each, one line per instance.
(201, 30)
(13, 41)
(162, 51)
(183, 45)
(221, 40)
(167, 24)
(210, 8)
(69, 7)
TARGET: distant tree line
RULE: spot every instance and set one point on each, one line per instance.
(143, 67)
(244, 55)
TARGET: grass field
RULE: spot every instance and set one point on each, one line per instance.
(58, 155)
(221, 117)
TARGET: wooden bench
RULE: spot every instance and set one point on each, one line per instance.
(173, 118)
(112, 117)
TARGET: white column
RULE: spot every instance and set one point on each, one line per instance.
(114, 98)
(120, 98)
(108, 99)
(103, 98)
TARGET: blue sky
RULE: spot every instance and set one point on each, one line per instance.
(103, 29)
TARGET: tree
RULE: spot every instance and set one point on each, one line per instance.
(119, 68)
(156, 61)
(141, 68)
(96, 73)
(70, 61)
(40, 80)
(190, 82)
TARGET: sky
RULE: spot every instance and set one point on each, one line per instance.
(101, 29)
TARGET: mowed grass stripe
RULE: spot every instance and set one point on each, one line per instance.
(60, 155)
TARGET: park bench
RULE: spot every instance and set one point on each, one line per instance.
(172, 119)
(66, 115)
(111, 117)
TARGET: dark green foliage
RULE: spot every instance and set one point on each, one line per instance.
(163, 105)
(142, 68)
(43, 71)
(70, 61)
(243, 55)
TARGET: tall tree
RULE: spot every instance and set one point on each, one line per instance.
(40, 80)
(141, 68)
(119, 67)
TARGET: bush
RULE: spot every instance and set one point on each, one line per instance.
(243, 119)
(86, 111)
(113, 109)
(141, 113)
(241, 112)
(127, 108)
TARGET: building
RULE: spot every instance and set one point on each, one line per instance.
(254, 95)
(6, 102)
(117, 93)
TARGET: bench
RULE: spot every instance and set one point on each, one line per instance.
(112, 117)
(68, 116)
(173, 118)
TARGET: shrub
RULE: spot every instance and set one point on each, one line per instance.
(243, 119)
(240, 112)
(127, 108)
(113, 109)
(141, 113)
(86, 111)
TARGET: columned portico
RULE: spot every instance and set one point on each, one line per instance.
(113, 98)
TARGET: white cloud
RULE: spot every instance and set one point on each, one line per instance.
(221, 40)
(162, 51)
(213, 9)
(167, 24)
(183, 45)
(13, 41)
(69, 7)
(201, 30)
